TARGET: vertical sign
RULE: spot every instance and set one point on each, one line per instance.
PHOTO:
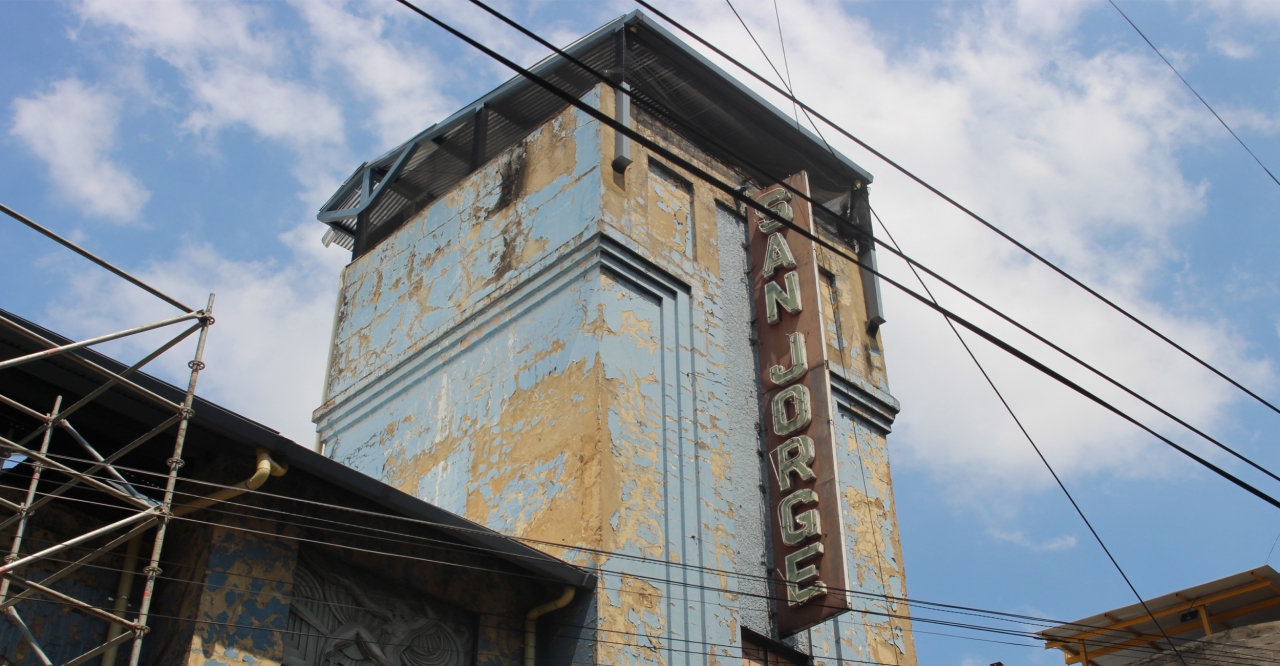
(804, 494)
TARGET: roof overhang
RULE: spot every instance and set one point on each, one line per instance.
(668, 78)
(1129, 633)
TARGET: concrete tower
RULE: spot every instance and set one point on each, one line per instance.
(557, 334)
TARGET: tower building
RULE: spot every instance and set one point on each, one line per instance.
(568, 337)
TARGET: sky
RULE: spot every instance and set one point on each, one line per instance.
(192, 143)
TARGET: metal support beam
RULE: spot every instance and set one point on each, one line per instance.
(24, 512)
(98, 340)
(124, 485)
(153, 569)
(79, 476)
(479, 138)
(26, 633)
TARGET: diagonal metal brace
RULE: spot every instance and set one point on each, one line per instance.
(56, 492)
(100, 339)
(64, 571)
(72, 601)
(76, 475)
(106, 529)
(26, 633)
(126, 636)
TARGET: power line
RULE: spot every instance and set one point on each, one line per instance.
(94, 258)
(740, 196)
(1039, 453)
(1193, 91)
(991, 615)
(888, 247)
(1020, 245)
(926, 620)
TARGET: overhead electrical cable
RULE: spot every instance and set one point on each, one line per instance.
(888, 247)
(1008, 408)
(763, 210)
(400, 538)
(920, 619)
(1193, 91)
(1019, 244)
(93, 257)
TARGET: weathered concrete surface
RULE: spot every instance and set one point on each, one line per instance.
(244, 602)
(556, 351)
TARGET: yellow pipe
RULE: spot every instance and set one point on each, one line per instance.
(266, 468)
(122, 596)
(531, 624)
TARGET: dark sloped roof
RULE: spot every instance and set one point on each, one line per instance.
(668, 78)
(216, 428)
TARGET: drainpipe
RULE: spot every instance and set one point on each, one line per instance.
(122, 596)
(266, 468)
(531, 624)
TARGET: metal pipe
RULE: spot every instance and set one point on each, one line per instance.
(25, 511)
(531, 623)
(56, 492)
(71, 543)
(91, 257)
(114, 378)
(26, 633)
(266, 468)
(93, 453)
(122, 598)
(71, 568)
(93, 341)
(22, 408)
(153, 568)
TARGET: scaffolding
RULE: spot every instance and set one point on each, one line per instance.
(52, 479)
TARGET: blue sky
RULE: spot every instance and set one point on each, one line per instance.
(192, 143)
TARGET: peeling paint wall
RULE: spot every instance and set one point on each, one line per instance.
(561, 352)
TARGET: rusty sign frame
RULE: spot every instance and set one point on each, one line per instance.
(809, 572)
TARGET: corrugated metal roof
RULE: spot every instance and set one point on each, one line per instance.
(669, 80)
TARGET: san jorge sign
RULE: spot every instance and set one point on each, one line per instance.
(804, 493)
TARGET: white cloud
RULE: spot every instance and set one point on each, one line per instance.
(239, 71)
(266, 353)
(72, 127)
(399, 79)
(1073, 153)
(1064, 542)
(1233, 49)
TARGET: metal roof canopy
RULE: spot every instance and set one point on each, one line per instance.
(1128, 634)
(662, 71)
(214, 427)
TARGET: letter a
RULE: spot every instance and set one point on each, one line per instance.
(777, 254)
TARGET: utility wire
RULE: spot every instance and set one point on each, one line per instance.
(94, 258)
(1032, 442)
(925, 620)
(1037, 256)
(1193, 91)
(740, 196)
(888, 247)
(451, 546)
